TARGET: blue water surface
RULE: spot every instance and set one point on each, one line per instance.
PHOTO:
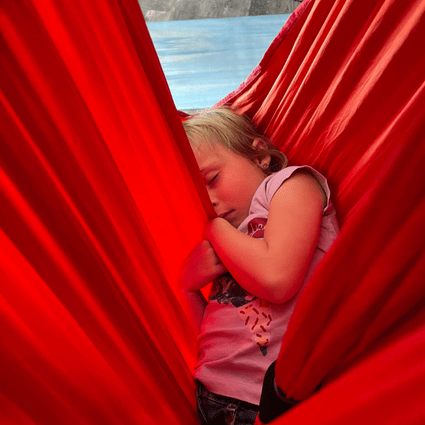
(206, 59)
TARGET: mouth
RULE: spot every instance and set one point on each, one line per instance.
(225, 215)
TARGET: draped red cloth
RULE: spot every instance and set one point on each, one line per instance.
(101, 200)
(348, 98)
(97, 213)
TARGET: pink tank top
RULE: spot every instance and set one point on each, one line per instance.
(241, 334)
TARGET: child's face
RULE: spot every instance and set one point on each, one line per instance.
(231, 181)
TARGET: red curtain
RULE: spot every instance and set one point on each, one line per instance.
(98, 209)
(342, 89)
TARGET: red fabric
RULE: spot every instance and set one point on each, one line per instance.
(385, 387)
(348, 98)
(95, 199)
(101, 200)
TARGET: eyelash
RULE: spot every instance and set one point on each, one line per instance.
(213, 179)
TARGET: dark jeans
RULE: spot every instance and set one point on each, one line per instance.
(214, 409)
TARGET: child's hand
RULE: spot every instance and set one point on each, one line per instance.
(201, 267)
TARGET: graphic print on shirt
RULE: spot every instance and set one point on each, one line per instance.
(256, 227)
(255, 313)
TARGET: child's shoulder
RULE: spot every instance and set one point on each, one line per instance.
(272, 183)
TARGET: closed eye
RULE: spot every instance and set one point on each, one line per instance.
(213, 180)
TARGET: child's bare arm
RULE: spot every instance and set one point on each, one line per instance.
(201, 267)
(274, 268)
(196, 304)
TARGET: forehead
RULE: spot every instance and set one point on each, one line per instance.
(211, 155)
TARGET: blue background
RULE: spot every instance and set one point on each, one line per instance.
(206, 59)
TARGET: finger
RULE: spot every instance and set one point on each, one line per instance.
(205, 244)
(220, 269)
(216, 258)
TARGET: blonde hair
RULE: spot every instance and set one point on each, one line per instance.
(235, 132)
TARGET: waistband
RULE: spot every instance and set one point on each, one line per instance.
(204, 392)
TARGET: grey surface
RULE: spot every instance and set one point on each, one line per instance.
(173, 10)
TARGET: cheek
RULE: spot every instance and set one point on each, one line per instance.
(242, 191)
(247, 189)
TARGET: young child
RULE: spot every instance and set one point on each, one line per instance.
(273, 225)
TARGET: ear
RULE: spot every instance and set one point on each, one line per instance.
(261, 144)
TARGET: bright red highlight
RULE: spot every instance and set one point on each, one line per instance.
(101, 200)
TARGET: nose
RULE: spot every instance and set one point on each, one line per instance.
(213, 199)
